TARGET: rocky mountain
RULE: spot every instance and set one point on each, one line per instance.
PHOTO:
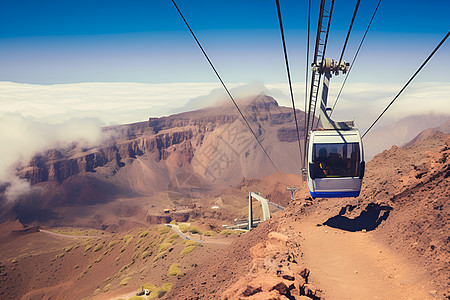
(180, 154)
(400, 132)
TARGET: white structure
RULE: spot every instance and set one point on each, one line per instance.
(265, 208)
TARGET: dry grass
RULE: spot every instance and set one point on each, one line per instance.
(98, 247)
(125, 281)
(174, 270)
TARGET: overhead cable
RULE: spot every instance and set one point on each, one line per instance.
(409, 81)
(226, 89)
(306, 75)
(349, 31)
(289, 78)
(354, 58)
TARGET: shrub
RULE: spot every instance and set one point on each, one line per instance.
(174, 270)
(194, 229)
(190, 243)
(230, 231)
(183, 228)
(174, 236)
(67, 249)
(111, 244)
(187, 250)
(209, 233)
(144, 234)
(149, 286)
(163, 230)
(125, 267)
(146, 254)
(137, 298)
(125, 281)
(98, 247)
(164, 247)
(127, 237)
(128, 241)
(87, 248)
(160, 255)
(173, 222)
(106, 288)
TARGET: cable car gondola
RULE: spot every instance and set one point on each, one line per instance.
(335, 158)
(335, 163)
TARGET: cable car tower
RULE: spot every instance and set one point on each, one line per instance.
(335, 154)
(334, 157)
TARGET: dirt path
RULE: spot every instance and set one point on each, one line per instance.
(68, 236)
(203, 240)
(353, 265)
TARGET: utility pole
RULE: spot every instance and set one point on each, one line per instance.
(292, 190)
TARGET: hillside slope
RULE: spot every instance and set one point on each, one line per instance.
(391, 242)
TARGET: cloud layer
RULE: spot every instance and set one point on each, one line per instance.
(23, 137)
(34, 118)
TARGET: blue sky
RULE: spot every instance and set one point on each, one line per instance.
(48, 42)
(68, 67)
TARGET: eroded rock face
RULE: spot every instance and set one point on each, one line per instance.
(56, 166)
(275, 273)
(161, 137)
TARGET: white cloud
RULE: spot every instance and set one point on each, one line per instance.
(112, 103)
(34, 117)
(23, 137)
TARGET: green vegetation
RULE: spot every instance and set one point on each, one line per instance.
(146, 254)
(194, 230)
(127, 237)
(87, 248)
(137, 298)
(60, 255)
(67, 249)
(187, 250)
(191, 220)
(144, 234)
(164, 247)
(163, 230)
(160, 255)
(190, 243)
(106, 288)
(149, 286)
(125, 267)
(174, 270)
(99, 259)
(111, 244)
(173, 236)
(98, 247)
(190, 246)
(228, 232)
(173, 222)
(160, 292)
(183, 228)
(125, 281)
(128, 241)
(209, 233)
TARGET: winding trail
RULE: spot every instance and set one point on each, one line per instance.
(353, 265)
(204, 240)
(67, 236)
